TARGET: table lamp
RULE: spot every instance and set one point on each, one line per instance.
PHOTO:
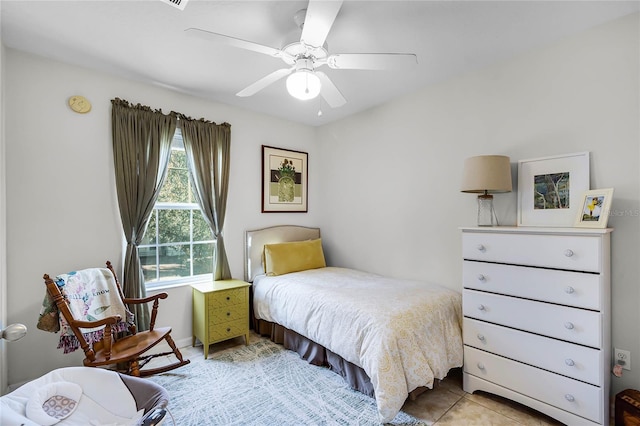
(486, 174)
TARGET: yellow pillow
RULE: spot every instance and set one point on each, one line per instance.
(296, 256)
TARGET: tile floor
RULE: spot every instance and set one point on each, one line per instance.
(446, 404)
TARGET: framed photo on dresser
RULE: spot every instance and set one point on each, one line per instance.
(595, 208)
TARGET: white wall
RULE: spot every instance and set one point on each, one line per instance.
(391, 175)
(3, 239)
(384, 185)
(61, 203)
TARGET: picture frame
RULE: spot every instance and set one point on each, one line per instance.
(550, 189)
(594, 209)
(284, 180)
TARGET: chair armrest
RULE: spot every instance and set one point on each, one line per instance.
(104, 321)
(145, 299)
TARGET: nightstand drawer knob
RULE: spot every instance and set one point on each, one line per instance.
(228, 329)
(568, 252)
(569, 397)
(481, 366)
(481, 307)
(228, 314)
(228, 298)
(480, 247)
(569, 290)
(481, 277)
(569, 362)
(480, 337)
(568, 325)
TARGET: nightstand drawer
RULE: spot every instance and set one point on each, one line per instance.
(576, 253)
(562, 322)
(218, 332)
(562, 392)
(569, 288)
(230, 313)
(568, 359)
(224, 298)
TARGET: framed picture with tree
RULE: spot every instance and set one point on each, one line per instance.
(550, 189)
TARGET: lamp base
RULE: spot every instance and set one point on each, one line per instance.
(486, 213)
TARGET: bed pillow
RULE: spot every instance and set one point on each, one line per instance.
(295, 256)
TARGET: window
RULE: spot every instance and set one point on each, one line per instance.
(178, 244)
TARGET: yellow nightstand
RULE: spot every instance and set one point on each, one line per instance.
(220, 312)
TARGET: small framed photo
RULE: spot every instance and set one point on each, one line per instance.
(595, 208)
(284, 180)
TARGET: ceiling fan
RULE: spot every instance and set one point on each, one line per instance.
(304, 57)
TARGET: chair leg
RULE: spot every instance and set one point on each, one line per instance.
(173, 346)
(134, 368)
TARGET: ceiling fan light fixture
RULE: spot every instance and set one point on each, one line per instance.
(303, 84)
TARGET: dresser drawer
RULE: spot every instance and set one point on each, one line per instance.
(562, 322)
(572, 252)
(224, 298)
(229, 313)
(227, 330)
(577, 289)
(567, 394)
(568, 359)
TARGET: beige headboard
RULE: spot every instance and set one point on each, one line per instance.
(255, 240)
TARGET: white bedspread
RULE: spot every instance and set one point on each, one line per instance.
(402, 333)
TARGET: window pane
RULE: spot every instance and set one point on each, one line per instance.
(201, 230)
(202, 259)
(149, 267)
(176, 187)
(174, 261)
(150, 233)
(173, 226)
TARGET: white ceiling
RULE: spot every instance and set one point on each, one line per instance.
(145, 40)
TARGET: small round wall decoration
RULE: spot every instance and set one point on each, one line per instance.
(79, 104)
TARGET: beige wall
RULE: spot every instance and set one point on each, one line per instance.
(391, 175)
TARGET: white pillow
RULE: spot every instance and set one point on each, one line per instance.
(53, 402)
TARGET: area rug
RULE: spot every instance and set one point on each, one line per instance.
(265, 384)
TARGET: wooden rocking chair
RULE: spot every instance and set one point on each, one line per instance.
(128, 353)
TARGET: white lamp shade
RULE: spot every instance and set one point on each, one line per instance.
(487, 173)
(303, 84)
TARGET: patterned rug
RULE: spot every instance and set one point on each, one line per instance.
(265, 384)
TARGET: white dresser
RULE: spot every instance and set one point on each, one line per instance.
(536, 304)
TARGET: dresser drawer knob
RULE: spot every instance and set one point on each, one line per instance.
(569, 397)
(569, 290)
(480, 337)
(568, 325)
(481, 366)
(568, 252)
(481, 307)
(569, 362)
(228, 329)
(228, 314)
(481, 277)
(228, 298)
(480, 247)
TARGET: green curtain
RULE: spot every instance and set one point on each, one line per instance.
(141, 148)
(207, 146)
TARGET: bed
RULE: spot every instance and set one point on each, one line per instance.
(386, 337)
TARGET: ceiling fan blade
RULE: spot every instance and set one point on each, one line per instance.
(318, 21)
(235, 42)
(330, 92)
(372, 61)
(264, 82)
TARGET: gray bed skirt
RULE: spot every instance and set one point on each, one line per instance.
(316, 354)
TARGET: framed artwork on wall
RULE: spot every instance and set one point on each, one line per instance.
(550, 189)
(594, 209)
(284, 180)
